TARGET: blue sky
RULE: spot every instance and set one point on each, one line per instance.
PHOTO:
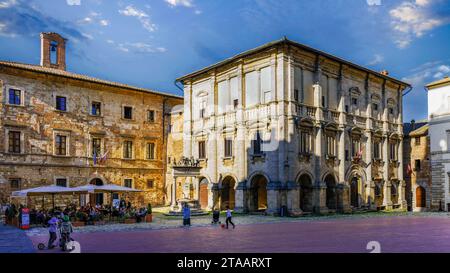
(149, 43)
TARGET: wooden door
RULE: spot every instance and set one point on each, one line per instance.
(203, 197)
(420, 197)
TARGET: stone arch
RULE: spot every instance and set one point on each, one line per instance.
(306, 191)
(331, 191)
(356, 179)
(227, 192)
(258, 192)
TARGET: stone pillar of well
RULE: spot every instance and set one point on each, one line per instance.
(293, 198)
(273, 198)
(320, 198)
(239, 196)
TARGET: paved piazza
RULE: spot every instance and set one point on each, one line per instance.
(396, 233)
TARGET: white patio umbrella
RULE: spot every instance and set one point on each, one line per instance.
(48, 190)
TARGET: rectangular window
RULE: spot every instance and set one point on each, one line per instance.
(14, 142)
(266, 84)
(14, 183)
(355, 101)
(15, 96)
(228, 148)
(305, 142)
(151, 116)
(323, 101)
(128, 112)
(417, 165)
(128, 149)
(257, 144)
(417, 141)
(393, 151)
(223, 96)
(61, 103)
(391, 111)
(356, 147)
(235, 103)
(296, 95)
(376, 150)
(61, 145)
(234, 91)
(128, 183)
(251, 89)
(346, 155)
(150, 183)
(346, 108)
(96, 109)
(375, 107)
(201, 149)
(96, 146)
(150, 150)
(61, 182)
(331, 146)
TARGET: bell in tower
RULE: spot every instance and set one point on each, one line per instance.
(53, 50)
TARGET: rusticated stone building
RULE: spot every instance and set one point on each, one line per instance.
(417, 171)
(286, 125)
(58, 127)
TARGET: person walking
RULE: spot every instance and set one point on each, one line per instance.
(53, 227)
(229, 218)
(186, 215)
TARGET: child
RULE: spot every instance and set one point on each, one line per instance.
(53, 226)
(229, 217)
(66, 230)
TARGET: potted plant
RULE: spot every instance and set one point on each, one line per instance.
(149, 216)
(79, 219)
(129, 218)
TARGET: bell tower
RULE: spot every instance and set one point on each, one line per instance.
(53, 50)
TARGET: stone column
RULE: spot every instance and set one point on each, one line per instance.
(402, 196)
(320, 198)
(344, 197)
(240, 200)
(273, 198)
(293, 198)
(369, 193)
(387, 183)
(213, 196)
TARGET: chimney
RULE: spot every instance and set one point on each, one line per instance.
(384, 72)
(53, 50)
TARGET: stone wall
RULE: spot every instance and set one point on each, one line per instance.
(39, 121)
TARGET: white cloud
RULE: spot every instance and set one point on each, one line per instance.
(140, 47)
(198, 12)
(423, 3)
(104, 22)
(185, 3)
(87, 36)
(373, 2)
(7, 4)
(413, 20)
(86, 20)
(73, 2)
(143, 17)
(377, 58)
(427, 73)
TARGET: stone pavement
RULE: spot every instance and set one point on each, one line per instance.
(401, 234)
(14, 240)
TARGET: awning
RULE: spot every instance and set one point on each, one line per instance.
(106, 188)
(48, 190)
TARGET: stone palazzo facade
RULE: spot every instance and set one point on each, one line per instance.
(288, 127)
(66, 129)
